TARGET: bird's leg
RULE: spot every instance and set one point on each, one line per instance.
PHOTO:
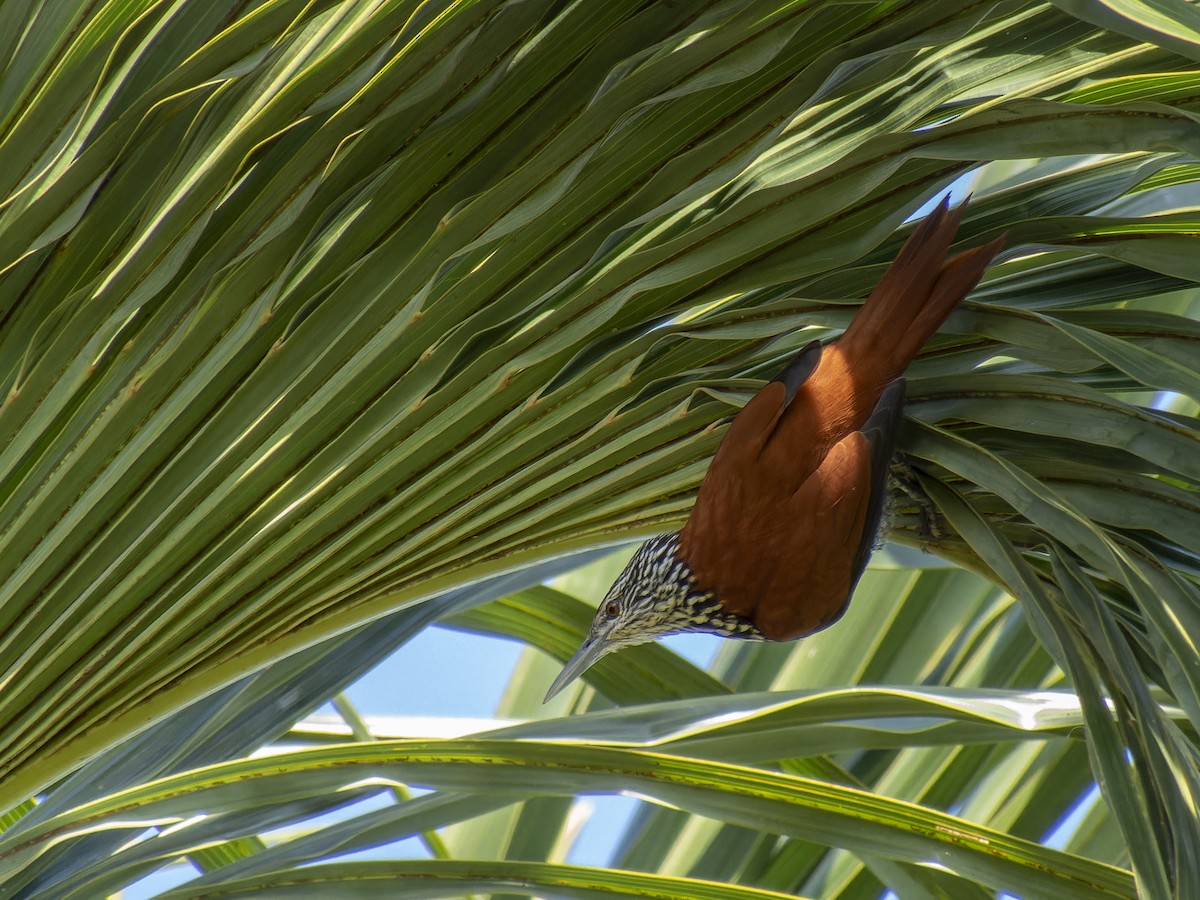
(905, 478)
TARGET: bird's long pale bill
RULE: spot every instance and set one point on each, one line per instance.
(587, 654)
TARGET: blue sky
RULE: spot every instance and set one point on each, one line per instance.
(461, 675)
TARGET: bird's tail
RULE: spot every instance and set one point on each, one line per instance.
(917, 293)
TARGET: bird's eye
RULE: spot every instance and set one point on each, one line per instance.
(611, 609)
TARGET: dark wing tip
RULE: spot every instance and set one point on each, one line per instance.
(881, 431)
(796, 372)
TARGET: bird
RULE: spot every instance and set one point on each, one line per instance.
(792, 503)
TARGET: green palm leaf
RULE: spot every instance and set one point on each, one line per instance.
(315, 317)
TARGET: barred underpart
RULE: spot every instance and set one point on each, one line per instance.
(670, 597)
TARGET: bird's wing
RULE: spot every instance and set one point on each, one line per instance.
(839, 507)
(880, 431)
(737, 483)
(780, 543)
(789, 559)
(813, 570)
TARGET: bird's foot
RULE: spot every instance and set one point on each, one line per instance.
(905, 478)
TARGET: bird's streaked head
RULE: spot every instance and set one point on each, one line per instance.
(656, 594)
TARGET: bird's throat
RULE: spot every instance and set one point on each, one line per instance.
(698, 609)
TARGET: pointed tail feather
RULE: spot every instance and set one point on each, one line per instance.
(958, 278)
(915, 295)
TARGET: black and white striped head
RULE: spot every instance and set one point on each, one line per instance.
(655, 595)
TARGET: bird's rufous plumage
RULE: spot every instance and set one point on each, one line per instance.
(791, 505)
(780, 530)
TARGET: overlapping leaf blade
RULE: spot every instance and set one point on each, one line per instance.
(311, 315)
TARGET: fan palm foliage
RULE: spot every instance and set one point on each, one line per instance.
(323, 322)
